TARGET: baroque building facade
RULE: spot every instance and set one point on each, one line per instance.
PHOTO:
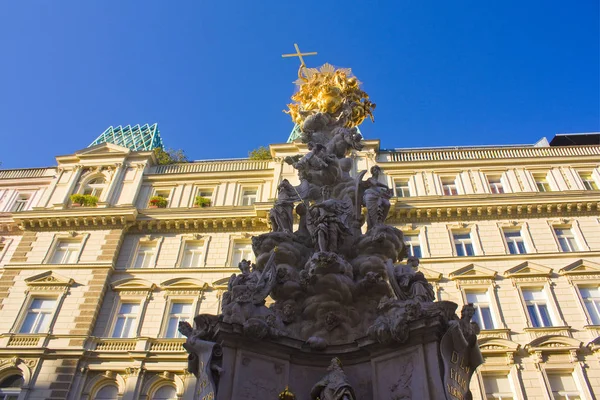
(90, 297)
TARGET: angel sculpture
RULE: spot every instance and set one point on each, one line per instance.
(247, 292)
(375, 195)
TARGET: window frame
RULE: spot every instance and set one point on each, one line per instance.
(555, 317)
(443, 183)
(26, 308)
(396, 183)
(501, 181)
(72, 236)
(577, 286)
(592, 179)
(135, 327)
(518, 229)
(4, 244)
(143, 240)
(573, 227)
(26, 204)
(158, 189)
(243, 188)
(160, 386)
(193, 300)
(234, 239)
(184, 240)
(494, 315)
(196, 192)
(574, 369)
(542, 177)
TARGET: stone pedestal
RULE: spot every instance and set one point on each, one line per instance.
(260, 370)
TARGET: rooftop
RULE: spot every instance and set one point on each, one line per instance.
(137, 138)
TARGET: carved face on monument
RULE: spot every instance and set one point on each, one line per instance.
(244, 266)
(467, 312)
(375, 171)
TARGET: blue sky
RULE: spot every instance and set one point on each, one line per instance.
(211, 73)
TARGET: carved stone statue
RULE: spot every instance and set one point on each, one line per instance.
(247, 292)
(334, 386)
(408, 283)
(377, 198)
(328, 221)
(281, 215)
(344, 140)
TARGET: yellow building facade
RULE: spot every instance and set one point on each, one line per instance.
(90, 297)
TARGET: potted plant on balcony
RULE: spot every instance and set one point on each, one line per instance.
(157, 202)
(77, 200)
(201, 202)
(90, 201)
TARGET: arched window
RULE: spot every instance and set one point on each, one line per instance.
(165, 393)
(95, 186)
(108, 392)
(10, 387)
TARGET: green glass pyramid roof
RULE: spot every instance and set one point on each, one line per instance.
(297, 133)
(137, 138)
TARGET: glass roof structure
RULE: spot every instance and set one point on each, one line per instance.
(137, 138)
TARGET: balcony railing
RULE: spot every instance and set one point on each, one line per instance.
(26, 173)
(491, 153)
(211, 166)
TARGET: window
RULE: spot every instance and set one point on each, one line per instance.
(242, 251)
(126, 320)
(495, 184)
(38, 316)
(165, 193)
(514, 242)
(449, 187)
(145, 256)
(483, 313)
(249, 196)
(165, 393)
(66, 252)
(207, 193)
(192, 255)
(95, 187)
(588, 181)
(542, 183)
(563, 387)
(179, 312)
(10, 387)
(402, 188)
(591, 300)
(566, 240)
(20, 203)
(108, 392)
(463, 244)
(414, 244)
(497, 387)
(537, 308)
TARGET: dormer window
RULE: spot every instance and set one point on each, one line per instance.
(449, 187)
(20, 203)
(94, 187)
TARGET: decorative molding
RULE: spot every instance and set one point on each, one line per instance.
(528, 272)
(132, 285)
(48, 280)
(581, 269)
(475, 273)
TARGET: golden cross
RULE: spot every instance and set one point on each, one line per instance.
(299, 55)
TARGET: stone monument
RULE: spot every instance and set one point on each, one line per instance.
(349, 320)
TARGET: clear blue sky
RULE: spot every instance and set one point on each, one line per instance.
(211, 73)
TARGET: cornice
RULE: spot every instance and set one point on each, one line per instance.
(494, 206)
(512, 258)
(83, 218)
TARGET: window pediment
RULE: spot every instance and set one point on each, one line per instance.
(473, 271)
(48, 280)
(553, 344)
(133, 284)
(222, 283)
(528, 270)
(431, 275)
(103, 148)
(184, 284)
(580, 267)
(498, 345)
